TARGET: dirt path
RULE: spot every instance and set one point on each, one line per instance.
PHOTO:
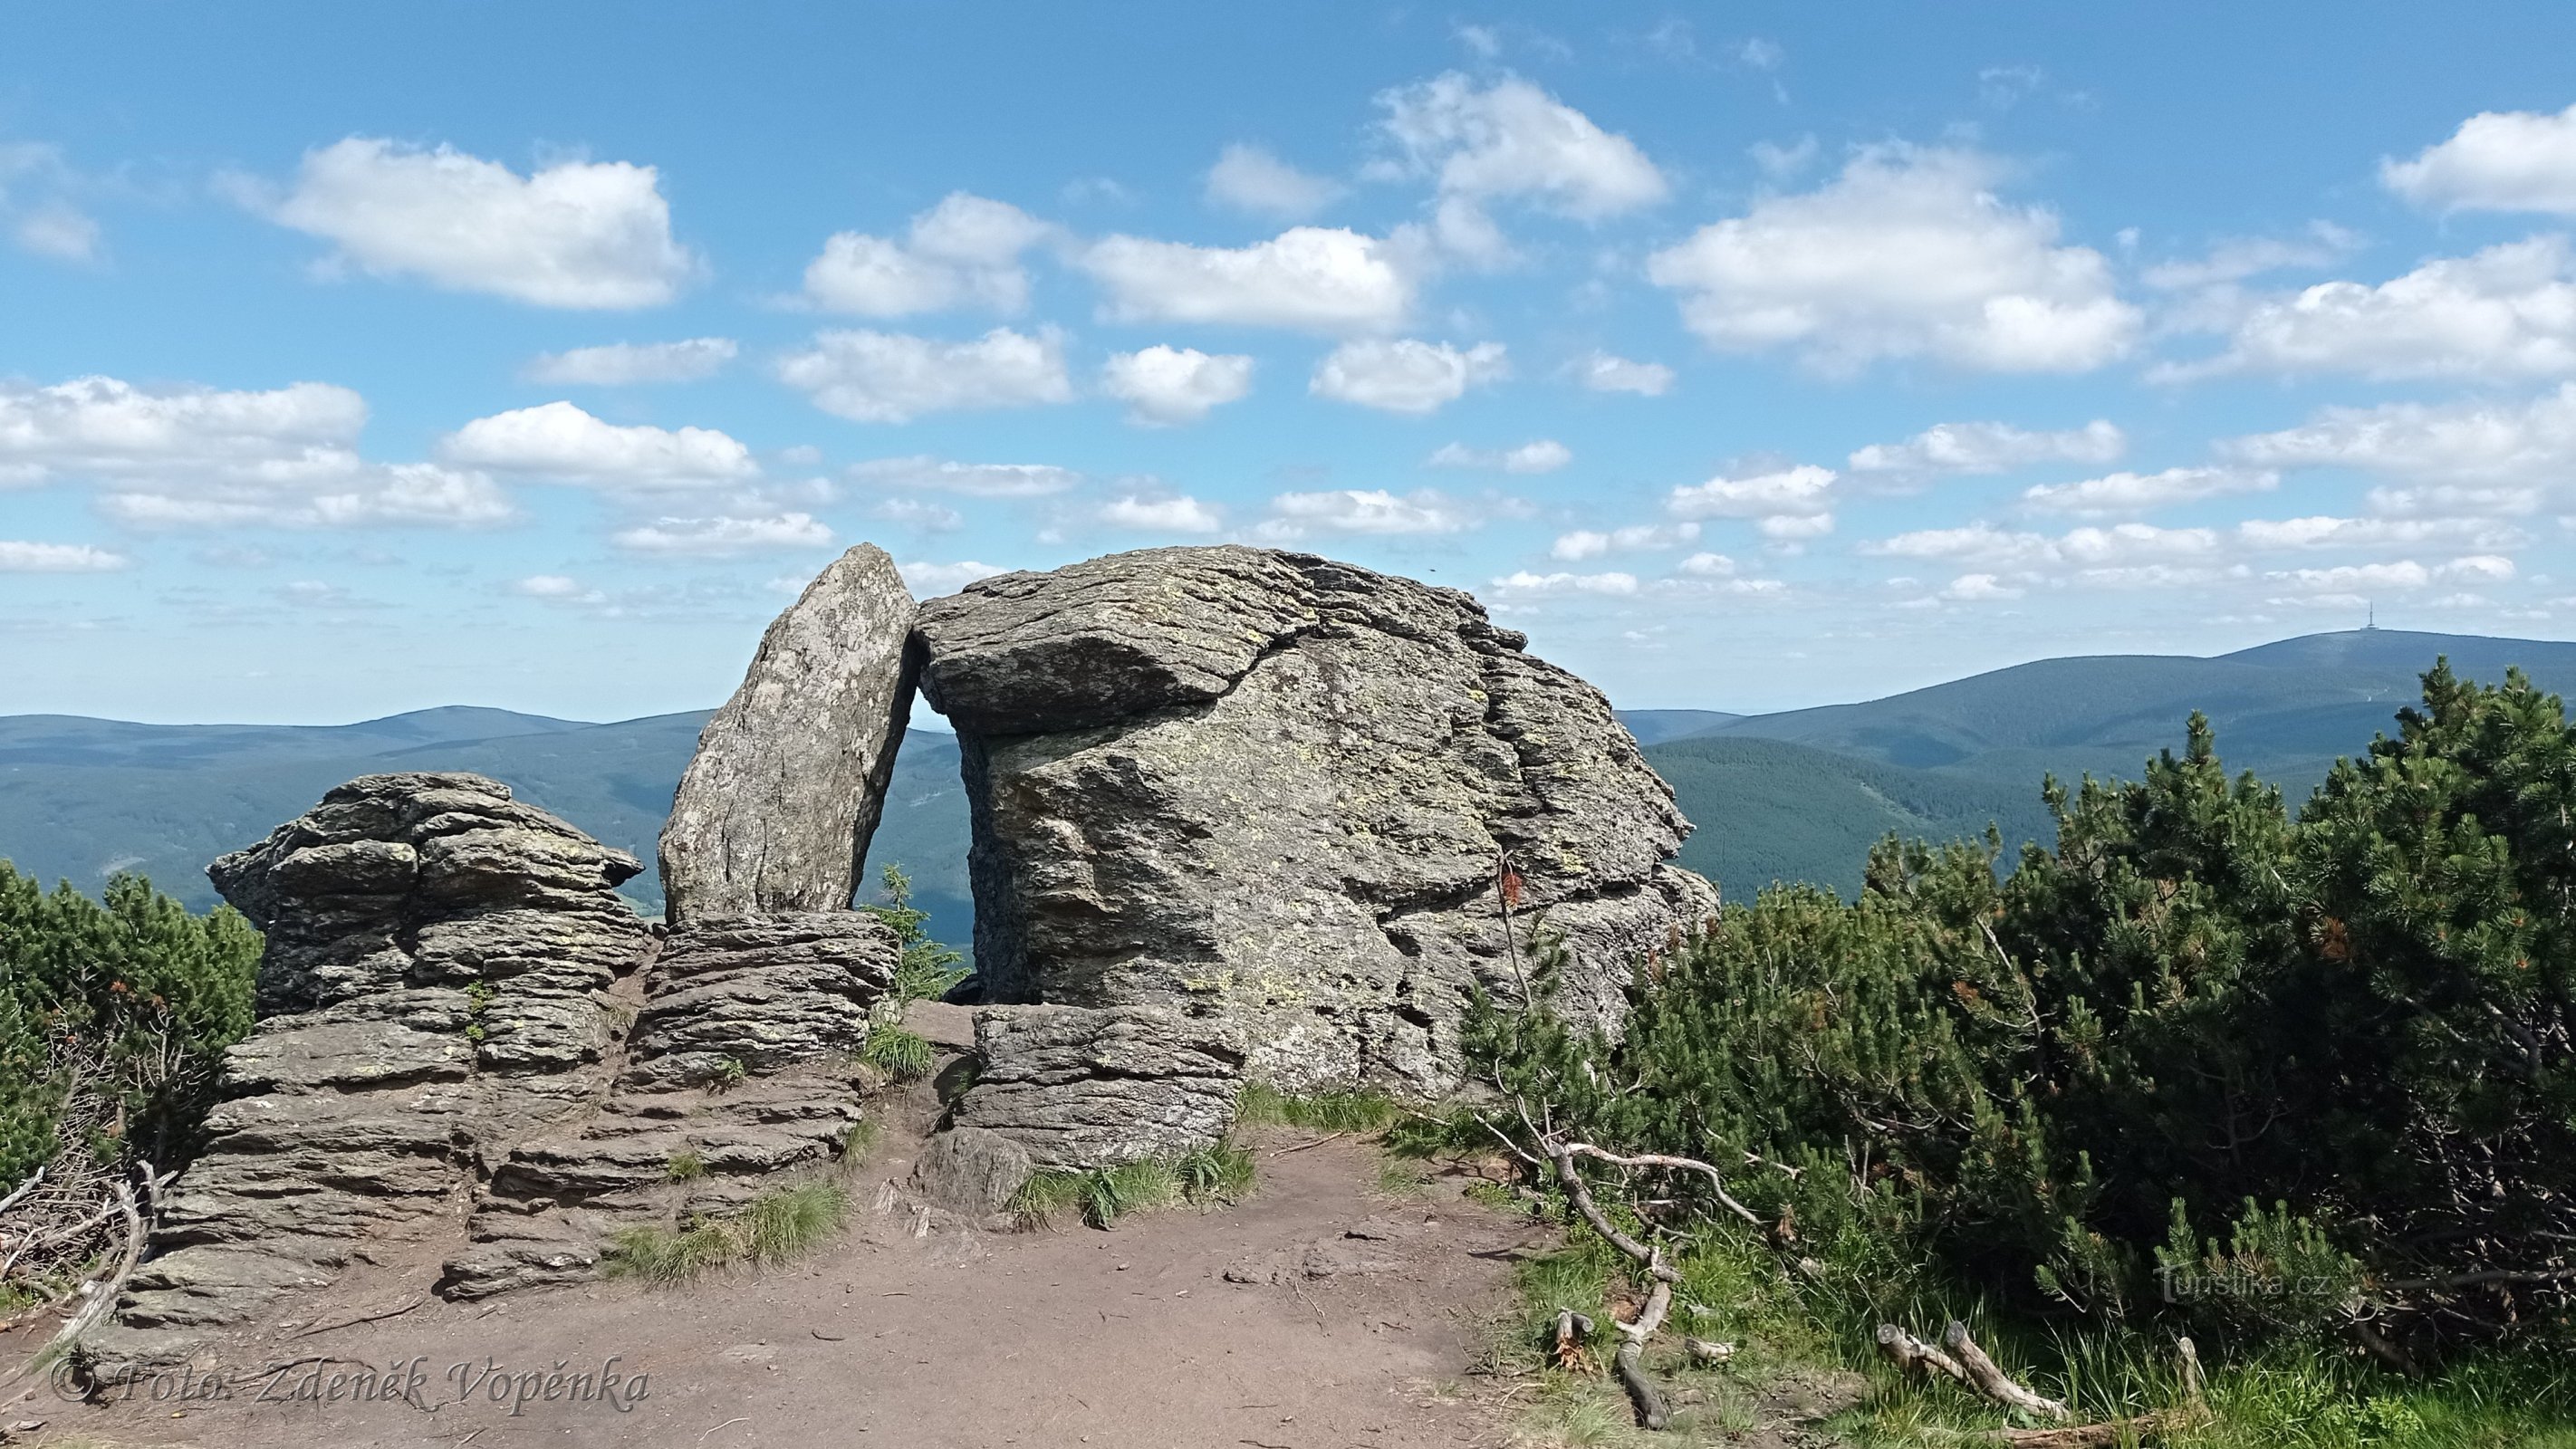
(1134, 1338)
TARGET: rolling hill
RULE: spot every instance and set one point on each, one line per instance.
(1792, 796)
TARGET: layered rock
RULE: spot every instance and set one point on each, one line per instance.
(737, 1077)
(435, 984)
(776, 808)
(1311, 801)
(1075, 1088)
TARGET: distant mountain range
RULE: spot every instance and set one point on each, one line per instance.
(1798, 795)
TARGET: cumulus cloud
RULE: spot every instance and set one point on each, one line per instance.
(2138, 492)
(1162, 515)
(1406, 375)
(724, 537)
(1603, 372)
(890, 377)
(1787, 506)
(1167, 385)
(2082, 548)
(2506, 447)
(1511, 140)
(2237, 258)
(1584, 543)
(964, 251)
(576, 234)
(2324, 531)
(1542, 455)
(927, 580)
(624, 364)
(1977, 588)
(973, 480)
(2496, 161)
(198, 456)
(1314, 279)
(2354, 581)
(559, 440)
(1526, 582)
(1909, 253)
(2507, 311)
(18, 557)
(1990, 448)
(1364, 511)
(1248, 178)
(549, 586)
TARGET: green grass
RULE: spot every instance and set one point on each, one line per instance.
(774, 1228)
(898, 1051)
(1101, 1196)
(1364, 1110)
(685, 1166)
(859, 1141)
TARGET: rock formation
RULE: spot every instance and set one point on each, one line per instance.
(1315, 802)
(1076, 1087)
(777, 805)
(435, 985)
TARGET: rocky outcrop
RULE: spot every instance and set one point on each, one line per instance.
(435, 985)
(1077, 1088)
(1311, 801)
(776, 808)
(738, 1076)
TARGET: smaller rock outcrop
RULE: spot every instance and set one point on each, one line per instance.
(435, 984)
(776, 808)
(1078, 1087)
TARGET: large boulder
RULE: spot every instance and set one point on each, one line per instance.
(1315, 802)
(776, 807)
(1076, 1088)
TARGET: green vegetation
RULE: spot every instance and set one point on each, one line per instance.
(686, 1165)
(927, 968)
(114, 1014)
(1101, 1196)
(898, 1051)
(2303, 1085)
(1365, 1110)
(774, 1228)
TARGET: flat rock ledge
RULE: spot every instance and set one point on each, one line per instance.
(1076, 1088)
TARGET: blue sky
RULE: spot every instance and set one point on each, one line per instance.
(1747, 357)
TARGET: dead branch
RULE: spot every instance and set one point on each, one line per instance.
(1993, 1382)
(1642, 1393)
(23, 1189)
(1717, 1183)
(394, 1312)
(1913, 1356)
(1704, 1350)
(1921, 1359)
(112, 1287)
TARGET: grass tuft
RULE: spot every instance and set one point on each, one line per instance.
(898, 1051)
(776, 1227)
(1363, 1110)
(685, 1166)
(1101, 1196)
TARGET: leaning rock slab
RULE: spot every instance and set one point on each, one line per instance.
(1078, 1088)
(1287, 793)
(776, 807)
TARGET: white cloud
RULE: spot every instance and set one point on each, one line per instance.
(931, 579)
(196, 456)
(559, 440)
(1584, 543)
(889, 377)
(1789, 505)
(624, 364)
(1975, 588)
(1990, 448)
(2496, 161)
(2236, 258)
(59, 230)
(1908, 253)
(1249, 178)
(724, 537)
(57, 558)
(54, 227)
(1364, 511)
(1709, 566)
(1508, 140)
(1525, 582)
(966, 250)
(2477, 444)
(1166, 385)
(2083, 548)
(1602, 372)
(1405, 375)
(919, 513)
(973, 480)
(2507, 311)
(1162, 515)
(575, 234)
(1312, 278)
(1543, 455)
(548, 586)
(2323, 531)
(2138, 492)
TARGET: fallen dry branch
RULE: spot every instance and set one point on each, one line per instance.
(1916, 1358)
(1994, 1383)
(1633, 1333)
(1966, 1364)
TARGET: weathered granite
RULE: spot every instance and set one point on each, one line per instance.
(776, 807)
(1285, 791)
(435, 981)
(1077, 1087)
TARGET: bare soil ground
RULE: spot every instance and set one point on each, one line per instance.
(1134, 1337)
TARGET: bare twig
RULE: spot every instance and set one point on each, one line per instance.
(1642, 1393)
(397, 1312)
(23, 1189)
(1717, 1183)
(1993, 1382)
(1913, 1356)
